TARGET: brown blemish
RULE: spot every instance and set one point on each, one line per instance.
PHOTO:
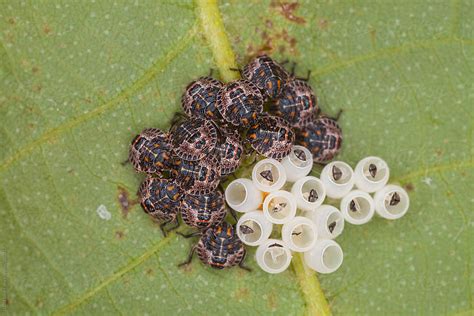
(242, 293)
(273, 41)
(272, 301)
(12, 20)
(47, 29)
(39, 303)
(409, 187)
(7, 301)
(149, 272)
(439, 152)
(119, 234)
(188, 268)
(287, 10)
(35, 69)
(37, 88)
(124, 201)
(373, 36)
(323, 24)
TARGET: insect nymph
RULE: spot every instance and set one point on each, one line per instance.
(219, 247)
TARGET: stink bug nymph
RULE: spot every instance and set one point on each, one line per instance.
(193, 138)
(271, 137)
(203, 211)
(161, 199)
(267, 75)
(323, 137)
(297, 104)
(230, 149)
(150, 151)
(240, 102)
(200, 98)
(219, 247)
(199, 177)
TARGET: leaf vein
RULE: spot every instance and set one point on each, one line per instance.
(126, 93)
(114, 277)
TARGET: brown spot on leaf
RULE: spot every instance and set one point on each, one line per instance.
(125, 203)
(12, 20)
(119, 234)
(35, 69)
(409, 187)
(188, 268)
(37, 88)
(47, 29)
(242, 293)
(39, 303)
(323, 24)
(273, 41)
(272, 301)
(149, 272)
(373, 36)
(287, 10)
(25, 63)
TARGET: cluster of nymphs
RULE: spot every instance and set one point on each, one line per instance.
(264, 113)
(308, 225)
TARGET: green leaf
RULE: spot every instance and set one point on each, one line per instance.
(79, 79)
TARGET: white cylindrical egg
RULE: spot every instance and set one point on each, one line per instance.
(338, 179)
(325, 257)
(268, 175)
(391, 202)
(371, 174)
(253, 228)
(299, 234)
(242, 195)
(298, 163)
(328, 220)
(279, 207)
(273, 256)
(309, 193)
(357, 207)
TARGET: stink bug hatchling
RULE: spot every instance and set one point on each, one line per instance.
(200, 98)
(323, 137)
(271, 136)
(230, 148)
(160, 198)
(267, 75)
(219, 247)
(240, 102)
(199, 177)
(297, 103)
(150, 151)
(193, 138)
(203, 211)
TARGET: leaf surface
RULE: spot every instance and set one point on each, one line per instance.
(80, 79)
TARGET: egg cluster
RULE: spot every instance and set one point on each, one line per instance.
(308, 225)
(269, 114)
